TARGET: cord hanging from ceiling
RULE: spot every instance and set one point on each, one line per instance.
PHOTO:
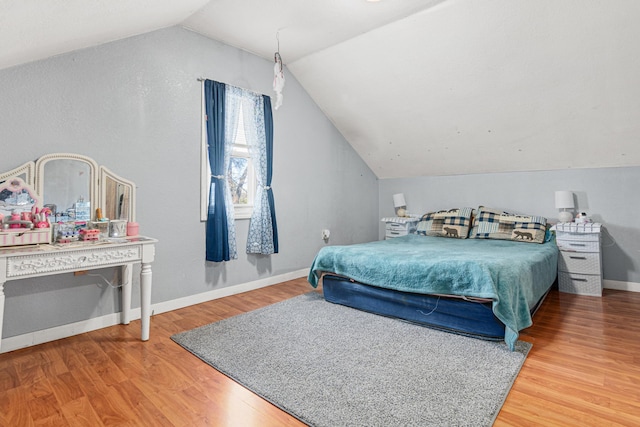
(278, 74)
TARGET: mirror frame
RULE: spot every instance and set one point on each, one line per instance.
(93, 174)
(106, 173)
(28, 169)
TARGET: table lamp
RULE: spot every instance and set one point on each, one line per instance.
(400, 204)
(564, 201)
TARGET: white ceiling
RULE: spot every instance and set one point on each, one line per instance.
(417, 87)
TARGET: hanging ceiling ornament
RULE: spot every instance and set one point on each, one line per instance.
(278, 74)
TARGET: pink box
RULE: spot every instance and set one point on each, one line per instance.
(132, 229)
(22, 236)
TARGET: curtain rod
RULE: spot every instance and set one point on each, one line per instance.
(202, 79)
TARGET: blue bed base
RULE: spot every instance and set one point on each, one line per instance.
(451, 314)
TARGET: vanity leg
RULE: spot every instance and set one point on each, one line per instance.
(127, 276)
(1, 310)
(145, 300)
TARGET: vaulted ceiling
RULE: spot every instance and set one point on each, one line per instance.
(417, 87)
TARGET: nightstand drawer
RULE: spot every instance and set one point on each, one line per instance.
(580, 262)
(582, 284)
(582, 237)
(395, 226)
(396, 229)
(395, 233)
(578, 246)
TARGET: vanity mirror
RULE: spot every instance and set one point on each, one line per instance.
(117, 195)
(63, 179)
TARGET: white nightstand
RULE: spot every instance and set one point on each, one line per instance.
(399, 226)
(580, 258)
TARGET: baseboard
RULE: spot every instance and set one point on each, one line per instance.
(64, 331)
(621, 286)
(175, 304)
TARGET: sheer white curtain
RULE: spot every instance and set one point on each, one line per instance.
(262, 237)
(233, 103)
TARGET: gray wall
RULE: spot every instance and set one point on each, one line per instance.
(134, 106)
(608, 195)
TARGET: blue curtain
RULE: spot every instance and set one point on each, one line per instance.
(268, 126)
(219, 228)
(263, 230)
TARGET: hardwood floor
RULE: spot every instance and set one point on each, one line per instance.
(583, 370)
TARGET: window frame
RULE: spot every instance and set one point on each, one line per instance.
(241, 211)
(244, 210)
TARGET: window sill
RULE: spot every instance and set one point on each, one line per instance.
(243, 212)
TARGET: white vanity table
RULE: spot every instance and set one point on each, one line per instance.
(59, 180)
(43, 260)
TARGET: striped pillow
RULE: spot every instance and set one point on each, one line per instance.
(453, 223)
(496, 224)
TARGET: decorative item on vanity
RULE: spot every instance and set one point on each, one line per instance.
(82, 210)
(23, 220)
(101, 224)
(132, 229)
(89, 234)
(564, 201)
(400, 204)
(66, 232)
(117, 228)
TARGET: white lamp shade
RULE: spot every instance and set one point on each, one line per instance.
(564, 200)
(398, 200)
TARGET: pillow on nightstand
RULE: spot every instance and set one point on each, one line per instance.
(496, 224)
(453, 223)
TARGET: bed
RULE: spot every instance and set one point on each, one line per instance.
(486, 286)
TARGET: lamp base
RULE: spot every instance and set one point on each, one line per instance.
(565, 216)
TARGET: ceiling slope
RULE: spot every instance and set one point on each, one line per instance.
(474, 87)
(34, 29)
(300, 27)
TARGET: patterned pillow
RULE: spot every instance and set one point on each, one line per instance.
(452, 223)
(496, 224)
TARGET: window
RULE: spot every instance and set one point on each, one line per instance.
(240, 175)
(225, 105)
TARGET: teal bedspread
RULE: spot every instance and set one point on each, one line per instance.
(514, 274)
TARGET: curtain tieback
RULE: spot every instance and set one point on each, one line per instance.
(266, 187)
(217, 176)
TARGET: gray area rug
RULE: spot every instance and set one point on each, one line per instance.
(330, 365)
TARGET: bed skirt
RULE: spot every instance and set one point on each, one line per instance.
(447, 313)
